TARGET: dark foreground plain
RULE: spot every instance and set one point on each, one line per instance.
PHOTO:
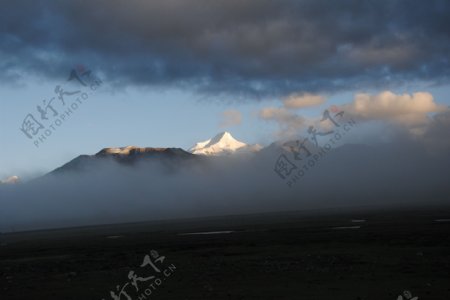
(305, 255)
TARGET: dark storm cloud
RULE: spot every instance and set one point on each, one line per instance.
(253, 46)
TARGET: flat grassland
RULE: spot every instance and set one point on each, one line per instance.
(335, 255)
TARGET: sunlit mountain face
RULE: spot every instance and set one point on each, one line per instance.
(222, 144)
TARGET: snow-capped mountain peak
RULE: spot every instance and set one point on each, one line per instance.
(222, 143)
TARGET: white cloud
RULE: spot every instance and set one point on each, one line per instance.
(302, 100)
(411, 110)
(289, 122)
(407, 113)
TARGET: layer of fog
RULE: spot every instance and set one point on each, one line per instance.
(398, 173)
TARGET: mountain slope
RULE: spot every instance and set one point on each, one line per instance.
(222, 144)
(129, 155)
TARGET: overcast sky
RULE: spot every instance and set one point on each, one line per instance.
(176, 72)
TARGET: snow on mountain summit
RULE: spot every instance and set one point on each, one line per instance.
(222, 143)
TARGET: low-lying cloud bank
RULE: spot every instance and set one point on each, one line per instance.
(399, 173)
